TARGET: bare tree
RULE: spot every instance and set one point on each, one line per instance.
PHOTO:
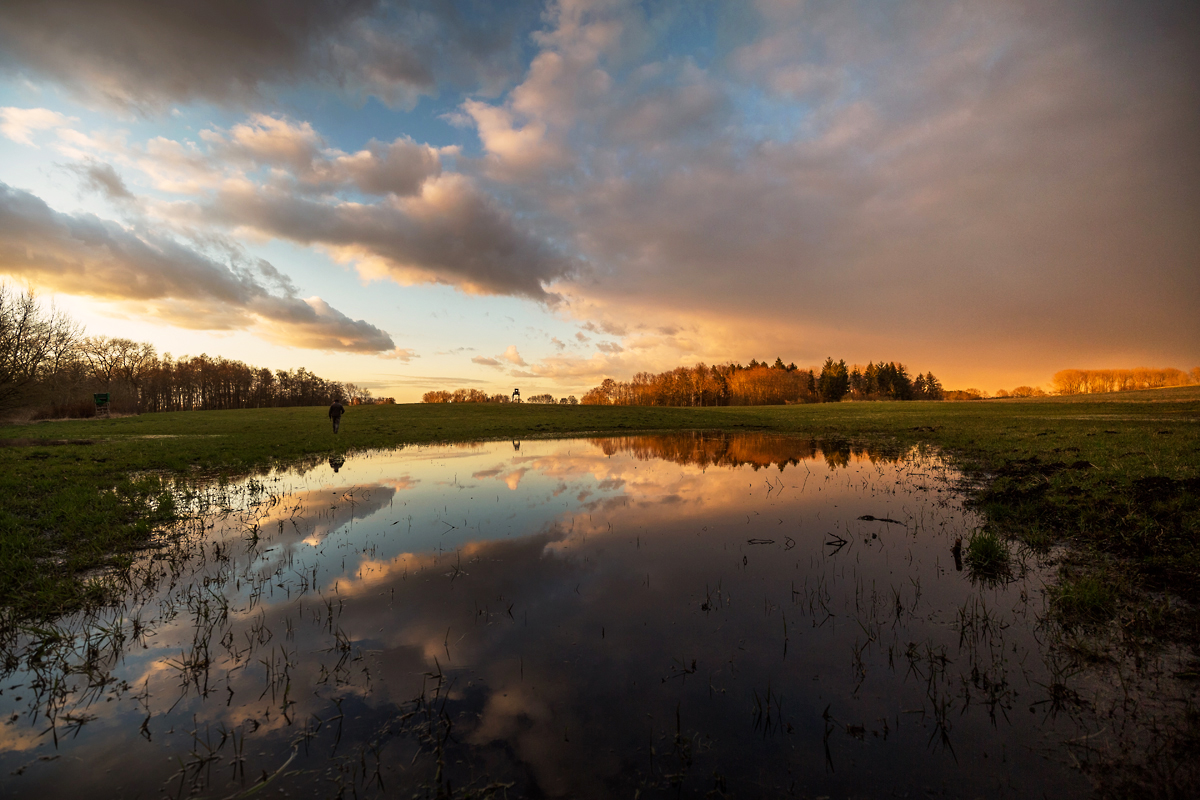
(101, 357)
(31, 343)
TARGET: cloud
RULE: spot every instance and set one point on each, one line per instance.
(399, 167)
(605, 326)
(574, 371)
(558, 343)
(400, 354)
(512, 356)
(485, 361)
(103, 179)
(431, 381)
(274, 177)
(84, 255)
(146, 55)
(19, 124)
(266, 140)
(959, 186)
(998, 179)
(451, 233)
(609, 347)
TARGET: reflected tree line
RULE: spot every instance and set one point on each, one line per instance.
(48, 365)
(718, 449)
(762, 384)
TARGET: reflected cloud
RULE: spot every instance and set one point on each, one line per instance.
(624, 591)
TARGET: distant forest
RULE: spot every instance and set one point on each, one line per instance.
(1091, 381)
(48, 366)
(733, 384)
(480, 396)
(761, 384)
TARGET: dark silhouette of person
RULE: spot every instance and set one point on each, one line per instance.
(336, 462)
(335, 413)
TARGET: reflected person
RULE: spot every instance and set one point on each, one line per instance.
(335, 413)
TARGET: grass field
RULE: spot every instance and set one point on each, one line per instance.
(1116, 476)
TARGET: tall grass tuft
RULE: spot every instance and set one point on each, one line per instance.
(987, 556)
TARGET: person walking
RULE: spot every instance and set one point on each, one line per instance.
(335, 413)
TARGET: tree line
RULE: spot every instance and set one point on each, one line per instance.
(48, 365)
(480, 396)
(1092, 381)
(761, 384)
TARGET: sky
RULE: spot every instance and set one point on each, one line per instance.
(433, 195)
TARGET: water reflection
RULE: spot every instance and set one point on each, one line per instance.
(584, 618)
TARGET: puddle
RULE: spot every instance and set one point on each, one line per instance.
(578, 618)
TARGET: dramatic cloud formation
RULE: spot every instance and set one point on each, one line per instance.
(277, 178)
(987, 181)
(146, 54)
(989, 189)
(85, 255)
(450, 233)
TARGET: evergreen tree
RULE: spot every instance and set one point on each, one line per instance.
(834, 381)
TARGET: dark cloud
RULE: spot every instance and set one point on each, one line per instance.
(144, 53)
(85, 255)
(452, 234)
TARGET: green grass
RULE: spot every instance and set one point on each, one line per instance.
(1114, 476)
(1083, 599)
(987, 556)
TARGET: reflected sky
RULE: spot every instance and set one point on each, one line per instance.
(577, 618)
